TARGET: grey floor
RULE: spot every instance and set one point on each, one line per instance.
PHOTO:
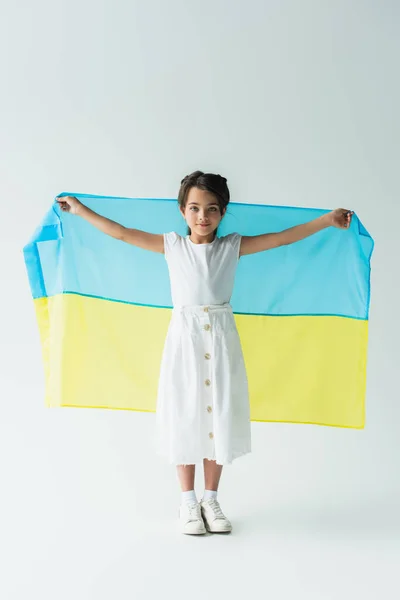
(86, 516)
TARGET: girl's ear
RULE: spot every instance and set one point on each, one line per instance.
(182, 211)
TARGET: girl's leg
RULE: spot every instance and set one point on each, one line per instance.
(189, 511)
(186, 475)
(212, 474)
(214, 519)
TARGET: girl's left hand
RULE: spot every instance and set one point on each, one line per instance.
(341, 217)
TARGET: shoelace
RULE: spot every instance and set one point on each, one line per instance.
(214, 505)
(194, 512)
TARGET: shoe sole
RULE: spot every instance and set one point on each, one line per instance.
(218, 530)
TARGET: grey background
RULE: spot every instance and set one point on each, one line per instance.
(295, 102)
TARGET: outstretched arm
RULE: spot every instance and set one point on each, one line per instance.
(340, 217)
(136, 237)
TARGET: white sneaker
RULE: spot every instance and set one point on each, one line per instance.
(214, 518)
(190, 518)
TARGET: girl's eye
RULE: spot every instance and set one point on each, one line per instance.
(193, 208)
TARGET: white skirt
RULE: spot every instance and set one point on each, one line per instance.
(203, 406)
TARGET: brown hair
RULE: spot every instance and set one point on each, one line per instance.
(205, 181)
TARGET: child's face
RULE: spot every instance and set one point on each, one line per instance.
(201, 212)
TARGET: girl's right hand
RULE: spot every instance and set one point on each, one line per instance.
(69, 204)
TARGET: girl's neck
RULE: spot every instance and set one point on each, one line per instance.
(202, 240)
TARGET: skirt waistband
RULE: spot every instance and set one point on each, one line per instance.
(201, 309)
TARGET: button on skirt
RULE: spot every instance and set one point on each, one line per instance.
(203, 406)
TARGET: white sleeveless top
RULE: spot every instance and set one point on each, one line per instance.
(201, 273)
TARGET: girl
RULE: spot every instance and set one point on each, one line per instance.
(203, 411)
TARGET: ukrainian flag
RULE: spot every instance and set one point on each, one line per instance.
(103, 309)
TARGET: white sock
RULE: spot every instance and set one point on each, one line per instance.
(189, 496)
(209, 494)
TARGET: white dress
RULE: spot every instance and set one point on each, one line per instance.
(202, 404)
